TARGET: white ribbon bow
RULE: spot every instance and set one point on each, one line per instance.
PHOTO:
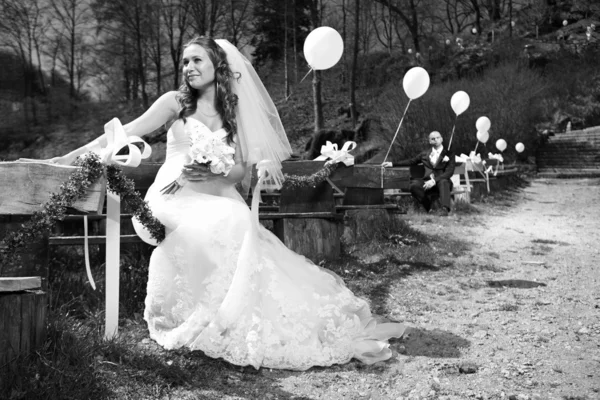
(500, 159)
(330, 151)
(117, 140)
(472, 161)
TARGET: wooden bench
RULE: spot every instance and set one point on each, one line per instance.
(24, 187)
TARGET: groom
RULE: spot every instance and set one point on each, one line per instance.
(439, 167)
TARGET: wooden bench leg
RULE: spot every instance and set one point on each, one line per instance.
(315, 238)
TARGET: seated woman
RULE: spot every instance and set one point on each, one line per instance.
(220, 282)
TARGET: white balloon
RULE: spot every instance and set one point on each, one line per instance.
(501, 144)
(416, 82)
(483, 124)
(460, 102)
(483, 136)
(323, 48)
(520, 147)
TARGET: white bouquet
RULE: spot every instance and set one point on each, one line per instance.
(208, 149)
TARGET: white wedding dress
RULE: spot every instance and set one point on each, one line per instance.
(227, 286)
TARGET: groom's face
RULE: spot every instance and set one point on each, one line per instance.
(435, 139)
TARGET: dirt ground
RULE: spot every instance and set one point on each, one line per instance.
(519, 341)
(534, 336)
(501, 301)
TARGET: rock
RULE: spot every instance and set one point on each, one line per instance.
(480, 334)
(467, 367)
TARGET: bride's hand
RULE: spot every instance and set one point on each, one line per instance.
(197, 172)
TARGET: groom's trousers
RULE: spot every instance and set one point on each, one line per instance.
(442, 189)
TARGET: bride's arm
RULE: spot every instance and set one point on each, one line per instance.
(160, 112)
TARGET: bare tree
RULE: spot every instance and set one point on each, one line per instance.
(536, 12)
(130, 23)
(383, 24)
(175, 18)
(70, 19)
(354, 62)
(239, 20)
(156, 40)
(21, 30)
(408, 12)
(205, 16)
(456, 15)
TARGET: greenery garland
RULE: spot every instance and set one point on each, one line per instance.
(300, 181)
(54, 210)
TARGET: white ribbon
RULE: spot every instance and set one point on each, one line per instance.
(474, 163)
(117, 140)
(499, 164)
(330, 151)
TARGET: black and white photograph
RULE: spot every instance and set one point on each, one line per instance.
(299, 199)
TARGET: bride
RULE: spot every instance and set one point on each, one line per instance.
(220, 282)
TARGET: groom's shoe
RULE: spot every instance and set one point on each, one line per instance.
(444, 211)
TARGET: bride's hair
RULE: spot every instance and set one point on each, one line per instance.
(226, 100)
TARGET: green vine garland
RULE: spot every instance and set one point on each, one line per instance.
(54, 210)
(300, 181)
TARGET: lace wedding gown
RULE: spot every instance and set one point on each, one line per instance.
(221, 284)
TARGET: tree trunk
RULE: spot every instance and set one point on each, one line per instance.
(317, 101)
(354, 64)
(285, 51)
(345, 66)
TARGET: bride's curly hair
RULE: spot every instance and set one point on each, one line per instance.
(226, 100)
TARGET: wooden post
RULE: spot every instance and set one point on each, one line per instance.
(23, 309)
(314, 238)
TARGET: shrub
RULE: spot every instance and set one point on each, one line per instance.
(509, 95)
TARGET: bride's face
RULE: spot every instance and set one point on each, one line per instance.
(198, 69)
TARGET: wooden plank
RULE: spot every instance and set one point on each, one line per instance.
(367, 207)
(12, 318)
(78, 240)
(22, 324)
(27, 323)
(40, 315)
(25, 186)
(307, 199)
(282, 215)
(393, 178)
(4, 323)
(20, 283)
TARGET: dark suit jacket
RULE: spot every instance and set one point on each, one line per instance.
(441, 170)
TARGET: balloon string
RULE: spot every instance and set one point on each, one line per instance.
(301, 80)
(393, 140)
(452, 135)
(476, 146)
(397, 130)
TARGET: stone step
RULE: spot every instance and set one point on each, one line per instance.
(551, 151)
(566, 156)
(568, 173)
(585, 156)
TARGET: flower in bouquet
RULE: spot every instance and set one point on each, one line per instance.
(208, 149)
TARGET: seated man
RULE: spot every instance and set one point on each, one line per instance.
(439, 167)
